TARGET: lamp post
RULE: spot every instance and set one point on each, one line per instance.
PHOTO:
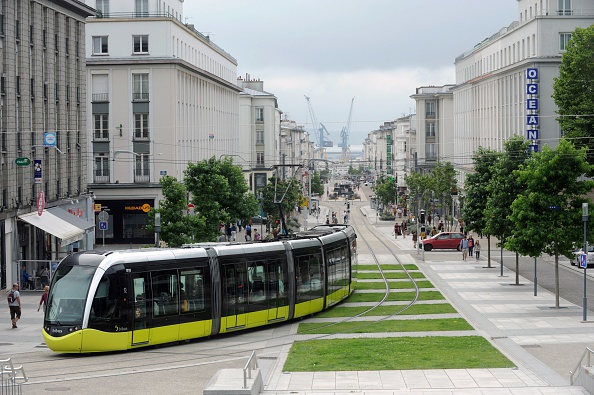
(157, 228)
(585, 219)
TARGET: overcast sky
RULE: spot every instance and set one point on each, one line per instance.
(377, 51)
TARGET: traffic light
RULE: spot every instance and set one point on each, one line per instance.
(422, 216)
(277, 221)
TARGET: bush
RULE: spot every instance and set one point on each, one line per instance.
(387, 217)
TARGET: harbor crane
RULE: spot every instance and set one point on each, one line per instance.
(345, 154)
(320, 131)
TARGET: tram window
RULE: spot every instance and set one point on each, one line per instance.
(309, 277)
(256, 276)
(192, 282)
(108, 302)
(165, 291)
(236, 286)
(275, 279)
(68, 293)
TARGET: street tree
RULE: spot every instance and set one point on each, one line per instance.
(573, 90)
(219, 192)
(316, 184)
(419, 186)
(548, 213)
(443, 184)
(386, 190)
(286, 193)
(177, 227)
(475, 203)
(503, 189)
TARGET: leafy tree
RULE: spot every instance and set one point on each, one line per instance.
(443, 183)
(177, 228)
(220, 193)
(386, 190)
(288, 192)
(316, 184)
(419, 186)
(477, 194)
(573, 90)
(503, 189)
(548, 213)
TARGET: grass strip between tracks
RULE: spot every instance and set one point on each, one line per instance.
(394, 285)
(435, 325)
(442, 308)
(389, 275)
(438, 352)
(386, 267)
(393, 296)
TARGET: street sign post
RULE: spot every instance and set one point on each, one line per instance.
(22, 161)
(40, 203)
(583, 261)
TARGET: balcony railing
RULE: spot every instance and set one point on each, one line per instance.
(101, 179)
(142, 175)
(100, 97)
(137, 96)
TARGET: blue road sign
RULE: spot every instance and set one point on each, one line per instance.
(102, 225)
(583, 261)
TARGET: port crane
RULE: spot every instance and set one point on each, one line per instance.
(320, 131)
(345, 154)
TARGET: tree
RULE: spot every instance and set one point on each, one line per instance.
(386, 190)
(419, 186)
(548, 213)
(177, 228)
(287, 192)
(477, 194)
(573, 90)
(220, 193)
(316, 184)
(443, 183)
(503, 189)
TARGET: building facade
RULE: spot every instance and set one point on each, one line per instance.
(43, 207)
(161, 95)
(504, 84)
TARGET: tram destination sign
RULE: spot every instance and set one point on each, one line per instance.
(22, 161)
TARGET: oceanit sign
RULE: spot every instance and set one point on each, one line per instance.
(532, 121)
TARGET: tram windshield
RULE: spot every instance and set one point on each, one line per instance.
(66, 299)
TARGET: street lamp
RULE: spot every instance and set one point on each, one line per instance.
(585, 219)
(157, 227)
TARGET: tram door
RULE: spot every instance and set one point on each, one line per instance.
(275, 290)
(142, 311)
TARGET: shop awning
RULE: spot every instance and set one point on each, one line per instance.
(65, 228)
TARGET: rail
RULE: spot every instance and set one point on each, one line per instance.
(247, 370)
(587, 352)
(12, 377)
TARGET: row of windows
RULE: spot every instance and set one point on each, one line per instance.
(140, 44)
(142, 171)
(101, 127)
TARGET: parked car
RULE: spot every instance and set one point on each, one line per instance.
(443, 240)
(576, 261)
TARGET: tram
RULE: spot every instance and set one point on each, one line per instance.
(119, 300)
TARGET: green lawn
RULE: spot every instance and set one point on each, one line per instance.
(393, 296)
(392, 275)
(469, 352)
(395, 285)
(441, 324)
(442, 308)
(386, 267)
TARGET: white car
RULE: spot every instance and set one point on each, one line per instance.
(576, 261)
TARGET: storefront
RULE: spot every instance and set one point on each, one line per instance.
(123, 222)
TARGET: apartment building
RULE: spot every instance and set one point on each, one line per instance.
(43, 206)
(161, 95)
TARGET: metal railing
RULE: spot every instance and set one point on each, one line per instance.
(587, 352)
(247, 369)
(12, 377)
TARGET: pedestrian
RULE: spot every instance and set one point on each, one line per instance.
(257, 235)
(477, 249)
(233, 232)
(228, 232)
(248, 232)
(470, 245)
(44, 276)
(43, 300)
(403, 228)
(327, 220)
(464, 248)
(26, 280)
(414, 237)
(14, 304)
(396, 230)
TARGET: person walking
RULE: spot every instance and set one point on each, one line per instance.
(403, 229)
(414, 237)
(14, 304)
(396, 230)
(470, 245)
(43, 300)
(464, 248)
(248, 232)
(233, 232)
(477, 249)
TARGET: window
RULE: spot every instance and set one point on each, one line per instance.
(101, 171)
(1, 24)
(430, 108)
(564, 7)
(141, 170)
(100, 45)
(141, 130)
(18, 30)
(140, 44)
(101, 126)
(165, 293)
(260, 114)
(141, 87)
(260, 158)
(102, 8)
(141, 8)
(430, 129)
(431, 151)
(563, 40)
(259, 137)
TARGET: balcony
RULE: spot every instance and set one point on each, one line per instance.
(101, 179)
(140, 96)
(100, 97)
(142, 175)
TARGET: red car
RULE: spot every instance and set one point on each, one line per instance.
(443, 240)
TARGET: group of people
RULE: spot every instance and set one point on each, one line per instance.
(400, 229)
(469, 246)
(335, 218)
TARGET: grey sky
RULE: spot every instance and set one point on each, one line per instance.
(377, 51)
